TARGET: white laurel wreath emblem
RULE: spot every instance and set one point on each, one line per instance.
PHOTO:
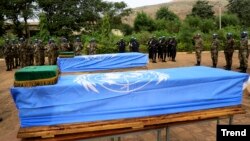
(98, 57)
(121, 82)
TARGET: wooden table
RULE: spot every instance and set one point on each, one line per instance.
(67, 132)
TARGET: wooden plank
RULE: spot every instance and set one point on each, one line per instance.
(127, 125)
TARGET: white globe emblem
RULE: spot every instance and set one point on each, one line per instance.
(121, 82)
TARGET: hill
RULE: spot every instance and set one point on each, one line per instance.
(179, 7)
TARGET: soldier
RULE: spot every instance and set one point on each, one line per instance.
(154, 46)
(150, 53)
(134, 45)
(16, 53)
(214, 49)
(243, 52)
(8, 55)
(229, 50)
(30, 51)
(41, 52)
(92, 47)
(36, 52)
(78, 46)
(65, 45)
(198, 45)
(23, 52)
(121, 46)
(173, 45)
(160, 47)
(164, 50)
(169, 48)
(52, 52)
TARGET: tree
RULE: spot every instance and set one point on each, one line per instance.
(143, 22)
(229, 20)
(1, 18)
(202, 9)
(164, 13)
(242, 9)
(43, 26)
(106, 26)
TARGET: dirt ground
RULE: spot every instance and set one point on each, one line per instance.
(196, 131)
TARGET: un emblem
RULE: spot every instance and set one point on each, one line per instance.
(121, 82)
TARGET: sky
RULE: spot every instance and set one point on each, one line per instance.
(139, 3)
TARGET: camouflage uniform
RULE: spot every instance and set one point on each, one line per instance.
(92, 47)
(36, 53)
(134, 45)
(23, 53)
(52, 52)
(150, 53)
(30, 52)
(165, 50)
(41, 53)
(214, 50)
(121, 46)
(65, 45)
(78, 47)
(243, 52)
(229, 50)
(16, 53)
(198, 48)
(8, 56)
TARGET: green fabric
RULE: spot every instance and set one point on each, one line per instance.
(66, 53)
(36, 72)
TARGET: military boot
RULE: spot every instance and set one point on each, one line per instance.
(214, 65)
(243, 70)
(198, 63)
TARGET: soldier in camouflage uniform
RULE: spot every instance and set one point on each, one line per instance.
(30, 52)
(65, 45)
(23, 52)
(41, 52)
(229, 50)
(214, 50)
(92, 47)
(8, 56)
(173, 45)
(78, 46)
(52, 51)
(16, 53)
(198, 45)
(36, 52)
(243, 52)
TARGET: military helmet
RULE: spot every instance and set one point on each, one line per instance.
(77, 39)
(21, 39)
(215, 36)
(229, 35)
(244, 34)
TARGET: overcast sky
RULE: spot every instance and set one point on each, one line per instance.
(139, 3)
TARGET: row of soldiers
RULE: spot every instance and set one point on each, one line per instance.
(230, 46)
(164, 47)
(23, 53)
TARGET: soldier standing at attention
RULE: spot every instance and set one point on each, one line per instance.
(30, 51)
(150, 53)
(23, 52)
(78, 46)
(16, 55)
(36, 52)
(229, 50)
(244, 52)
(164, 49)
(173, 44)
(160, 46)
(154, 46)
(214, 49)
(121, 46)
(8, 55)
(92, 47)
(65, 45)
(198, 45)
(41, 52)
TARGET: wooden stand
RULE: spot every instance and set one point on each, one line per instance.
(86, 130)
